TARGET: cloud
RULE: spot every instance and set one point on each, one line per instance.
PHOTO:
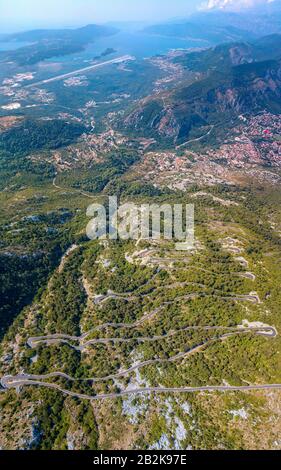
(233, 4)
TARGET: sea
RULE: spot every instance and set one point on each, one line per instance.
(137, 44)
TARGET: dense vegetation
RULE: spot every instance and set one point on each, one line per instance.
(99, 175)
(33, 135)
(20, 279)
(16, 144)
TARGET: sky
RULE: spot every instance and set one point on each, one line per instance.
(233, 4)
(22, 14)
(70, 12)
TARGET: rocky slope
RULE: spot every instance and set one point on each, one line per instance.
(230, 55)
(189, 112)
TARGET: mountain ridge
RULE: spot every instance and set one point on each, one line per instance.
(220, 97)
(227, 55)
(48, 43)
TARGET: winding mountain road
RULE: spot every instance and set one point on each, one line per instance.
(33, 342)
(73, 190)
(138, 391)
(242, 298)
(21, 380)
(197, 139)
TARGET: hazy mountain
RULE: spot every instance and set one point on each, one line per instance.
(218, 26)
(212, 34)
(227, 55)
(48, 43)
(84, 34)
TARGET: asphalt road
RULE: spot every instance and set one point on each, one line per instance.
(196, 140)
(20, 380)
(138, 391)
(33, 342)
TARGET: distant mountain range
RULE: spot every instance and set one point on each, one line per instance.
(83, 35)
(241, 79)
(48, 43)
(211, 34)
(219, 26)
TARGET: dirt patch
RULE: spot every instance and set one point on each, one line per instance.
(9, 121)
